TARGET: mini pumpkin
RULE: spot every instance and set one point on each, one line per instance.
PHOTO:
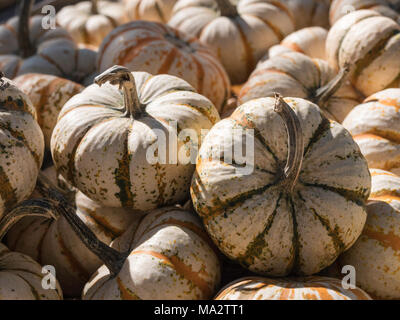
(375, 255)
(159, 49)
(276, 218)
(48, 94)
(240, 34)
(169, 257)
(26, 47)
(110, 143)
(306, 288)
(150, 10)
(49, 239)
(90, 21)
(21, 278)
(309, 13)
(296, 75)
(21, 145)
(340, 8)
(309, 41)
(370, 44)
(374, 125)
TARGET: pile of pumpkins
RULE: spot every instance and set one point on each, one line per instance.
(313, 87)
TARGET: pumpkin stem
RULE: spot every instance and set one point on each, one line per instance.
(112, 258)
(326, 92)
(295, 142)
(2, 75)
(94, 8)
(34, 207)
(226, 8)
(124, 78)
(24, 42)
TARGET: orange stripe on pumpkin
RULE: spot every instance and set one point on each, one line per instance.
(388, 240)
(182, 270)
(125, 293)
(293, 46)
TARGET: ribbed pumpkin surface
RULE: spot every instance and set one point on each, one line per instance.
(171, 258)
(21, 145)
(253, 218)
(375, 126)
(375, 255)
(308, 288)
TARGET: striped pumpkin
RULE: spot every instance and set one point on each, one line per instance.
(53, 242)
(21, 145)
(296, 75)
(53, 53)
(307, 288)
(277, 220)
(340, 8)
(309, 13)
(150, 10)
(21, 278)
(105, 146)
(370, 44)
(89, 22)
(159, 49)
(309, 41)
(240, 35)
(170, 258)
(375, 125)
(48, 94)
(375, 255)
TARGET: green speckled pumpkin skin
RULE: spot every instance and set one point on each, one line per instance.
(104, 153)
(21, 146)
(254, 220)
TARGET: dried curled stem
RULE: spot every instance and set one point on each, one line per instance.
(24, 42)
(324, 93)
(124, 78)
(34, 207)
(94, 9)
(295, 143)
(112, 258)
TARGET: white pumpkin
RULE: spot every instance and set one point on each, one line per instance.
(159, 49)
(306, 288)
(48, 94)
(340, 8)
(309, 41)
(21, 278)
(375, 255)
(113, 150)
(170, 257)
(375, 126)
(296, 75)
(273, 218)
(150, 10)
(21, 145)
(239, 34)
(51, 241)
(370, 44)
(89, 22)
(32, 49)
